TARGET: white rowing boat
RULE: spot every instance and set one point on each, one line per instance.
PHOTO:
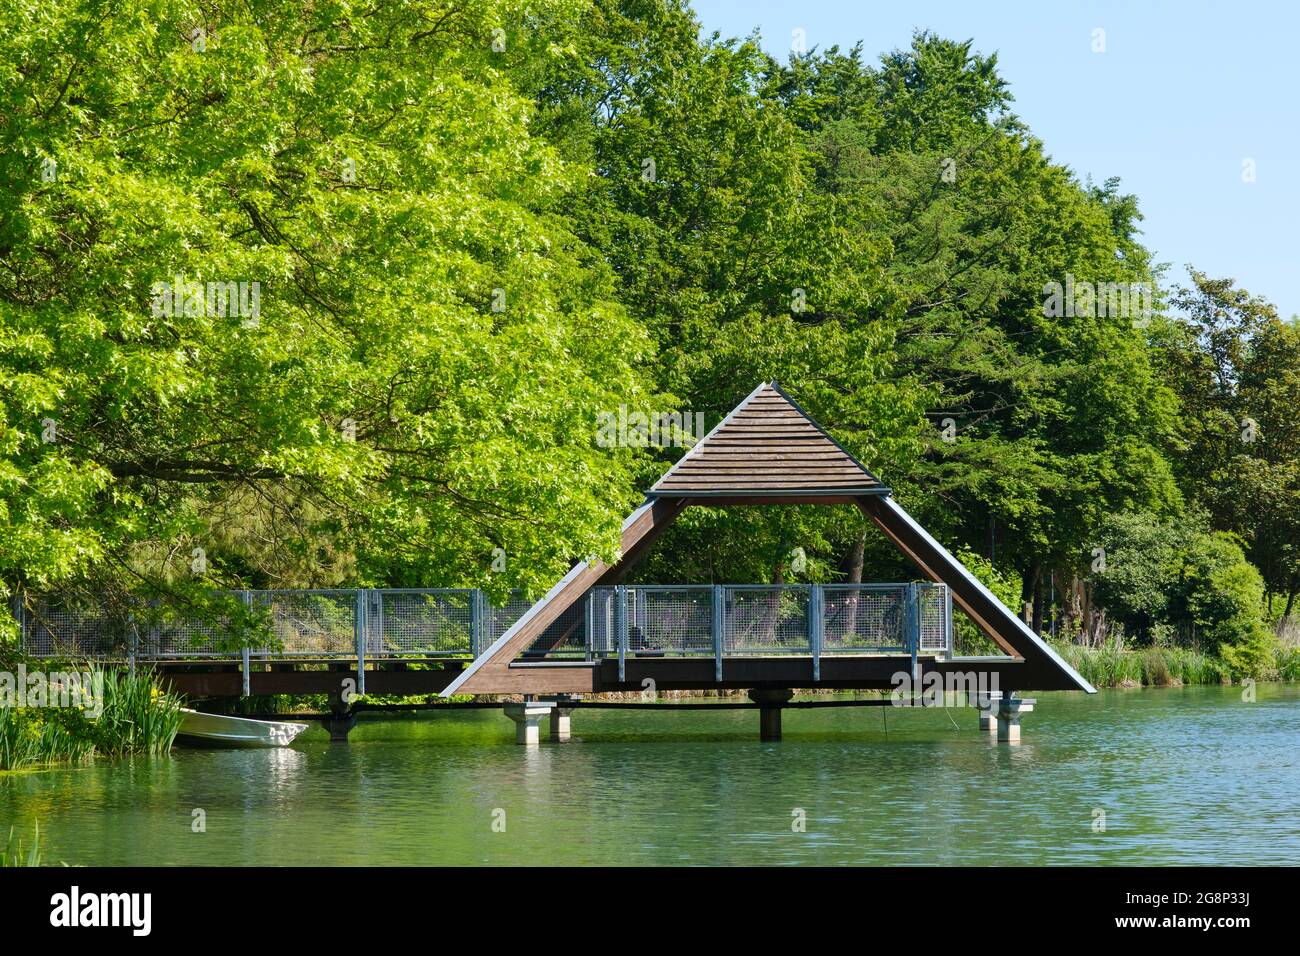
(226, 731)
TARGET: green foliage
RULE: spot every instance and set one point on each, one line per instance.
(1177, 577)
(1236, 366)
(476, 227)
(1113, 666)
(380, 420)
(12, 853)
(1288, 663)
(136, 717)
(968, 639)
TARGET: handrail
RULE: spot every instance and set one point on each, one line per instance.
(365, 624)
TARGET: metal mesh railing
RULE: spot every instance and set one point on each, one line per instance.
(54, 629)
(661, 620)
(865, 619)
(639, 620)
(310, 622)
(753, 619)
(761, 620)
(670, 620)
(411, 621)
(935, 601)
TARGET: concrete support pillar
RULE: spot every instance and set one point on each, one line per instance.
(988, 710)
(560, 714)
(528, 718)
(560, 727)
(1010, 710)
(770, 700)
(560, 724)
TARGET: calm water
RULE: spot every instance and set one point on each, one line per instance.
(1183, 775)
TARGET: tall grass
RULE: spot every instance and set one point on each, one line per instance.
(1288, 662)
(11, 854)
(137, 717)
(1112, 666)
(19, 740)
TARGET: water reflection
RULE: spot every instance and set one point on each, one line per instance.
(1183, 776)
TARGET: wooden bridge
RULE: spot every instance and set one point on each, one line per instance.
(592, 633)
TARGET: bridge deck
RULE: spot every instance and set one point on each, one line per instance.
(209, 679)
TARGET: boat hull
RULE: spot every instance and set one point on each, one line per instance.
(221, 730)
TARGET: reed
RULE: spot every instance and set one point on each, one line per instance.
(12, 853)
(20, 744)
(1111, 666)
(1288, 662)
(138, 717)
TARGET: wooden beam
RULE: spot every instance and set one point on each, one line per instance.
(488, 670)
(989, 614)
(929, 568)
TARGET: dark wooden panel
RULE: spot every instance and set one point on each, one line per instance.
(767, 443)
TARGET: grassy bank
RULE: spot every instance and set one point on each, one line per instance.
(136, 717)
(1111, 666)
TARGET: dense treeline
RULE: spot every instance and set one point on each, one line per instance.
(477, 226)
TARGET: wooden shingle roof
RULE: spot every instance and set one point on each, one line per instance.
(767, 446)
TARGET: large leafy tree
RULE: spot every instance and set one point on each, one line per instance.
(1043, 421)
(419, 381)
(742, 266)
(1236, 366)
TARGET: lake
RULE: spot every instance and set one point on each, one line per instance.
(1158, 776)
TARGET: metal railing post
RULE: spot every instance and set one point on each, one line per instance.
(361, 613)
(947, 622)
(816, 622)
(913, 624)
(589, 622)
(476, 622)
(247, 598)
(620, 627)
(719, 629)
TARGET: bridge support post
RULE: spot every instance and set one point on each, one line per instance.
(528, 719)
(340, 721)
(560, 718)
(988, 710)
(770, 700)
(1010, 710)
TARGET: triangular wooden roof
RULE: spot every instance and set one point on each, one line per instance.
(767, 451)
(767, 445)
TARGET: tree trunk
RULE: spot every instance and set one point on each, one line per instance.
(1036, 596)
(856, 557)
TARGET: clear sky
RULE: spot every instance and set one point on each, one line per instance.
(1184, 94)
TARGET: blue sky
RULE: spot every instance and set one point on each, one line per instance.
(1184, 93)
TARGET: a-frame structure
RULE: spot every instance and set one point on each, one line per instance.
(766, 451)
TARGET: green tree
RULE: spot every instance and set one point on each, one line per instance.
(415, 383)
(1236, 367)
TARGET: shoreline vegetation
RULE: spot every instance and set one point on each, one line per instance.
(1111, 666)
(137, 717)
